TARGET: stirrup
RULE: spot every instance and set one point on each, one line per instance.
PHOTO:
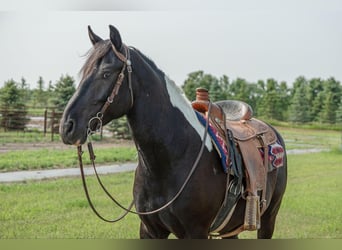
(252, 213)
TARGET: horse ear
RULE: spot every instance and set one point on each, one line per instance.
(93, 37)
(115, 37)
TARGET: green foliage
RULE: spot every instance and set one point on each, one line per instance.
(12, 108)
(273, 100)
(299, 108)
(52, 158)
(39, 94)
(339, 113)
(63, 91)
(120, 128)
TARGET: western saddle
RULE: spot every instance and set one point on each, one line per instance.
(234, 119)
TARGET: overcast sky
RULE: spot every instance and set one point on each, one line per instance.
(249, 39)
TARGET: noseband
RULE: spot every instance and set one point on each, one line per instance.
(96, 121)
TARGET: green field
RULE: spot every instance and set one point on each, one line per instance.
(299, 138)
(58, 208)
(61, 158)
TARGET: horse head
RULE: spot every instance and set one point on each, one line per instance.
(104, 92)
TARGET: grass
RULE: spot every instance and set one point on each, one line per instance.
(313, 198)
(311, 207)
(61, 158)
(298, 138)
(32, 136)
(58, 208)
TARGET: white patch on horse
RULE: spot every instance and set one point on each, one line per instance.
(179, 101)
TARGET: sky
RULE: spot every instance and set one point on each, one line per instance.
(249, 39)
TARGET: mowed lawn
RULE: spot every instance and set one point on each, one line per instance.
(58, 209)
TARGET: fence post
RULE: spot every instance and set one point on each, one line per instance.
(52, 123)
(45, 121)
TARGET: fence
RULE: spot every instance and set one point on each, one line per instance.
(44, 120)
(37, 123)
(54, 117)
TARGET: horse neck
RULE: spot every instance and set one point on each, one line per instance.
(162, 120)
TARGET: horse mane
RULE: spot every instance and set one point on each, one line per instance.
(149, 61)
(99, 50)
(94, 55)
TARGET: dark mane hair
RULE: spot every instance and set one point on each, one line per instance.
(98, 51)
(148, 60)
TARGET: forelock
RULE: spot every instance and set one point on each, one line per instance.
(94, 55)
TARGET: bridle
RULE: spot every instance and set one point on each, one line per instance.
(96, 122)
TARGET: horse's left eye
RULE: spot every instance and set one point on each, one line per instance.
(106, 75)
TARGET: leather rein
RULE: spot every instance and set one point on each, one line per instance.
(97, 123)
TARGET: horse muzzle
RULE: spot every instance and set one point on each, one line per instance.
(72, 134)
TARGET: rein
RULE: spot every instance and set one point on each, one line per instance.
(97, 122)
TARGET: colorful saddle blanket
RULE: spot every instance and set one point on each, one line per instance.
(218, 141)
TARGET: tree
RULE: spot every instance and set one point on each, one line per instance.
(120, 129)
(299, 110)
(199, 79)
(63, 91)
(317, 107)
(329, 110)
(339, 113)
(39, 94)
(239, 90)
(273, 100)
(24, 88)
(315, 97)
(284, 100)
(332, 96)
(13, 108)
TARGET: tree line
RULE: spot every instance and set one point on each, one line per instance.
(312, 100)
(307, 101)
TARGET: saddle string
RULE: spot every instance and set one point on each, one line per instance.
(129, 209)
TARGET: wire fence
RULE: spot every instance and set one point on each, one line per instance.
(29, 123)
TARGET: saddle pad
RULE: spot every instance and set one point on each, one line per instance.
(218, 141)
(276, 154)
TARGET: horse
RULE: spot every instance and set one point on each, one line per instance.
(116, 81)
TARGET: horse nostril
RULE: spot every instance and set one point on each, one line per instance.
(69, 126)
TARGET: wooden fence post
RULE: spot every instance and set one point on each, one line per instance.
(45, 121)
(52, 123)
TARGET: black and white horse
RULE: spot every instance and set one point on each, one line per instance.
(168, 137)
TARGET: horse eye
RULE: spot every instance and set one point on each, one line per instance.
(106, 75)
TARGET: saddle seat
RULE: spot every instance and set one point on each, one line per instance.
(235, 110)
